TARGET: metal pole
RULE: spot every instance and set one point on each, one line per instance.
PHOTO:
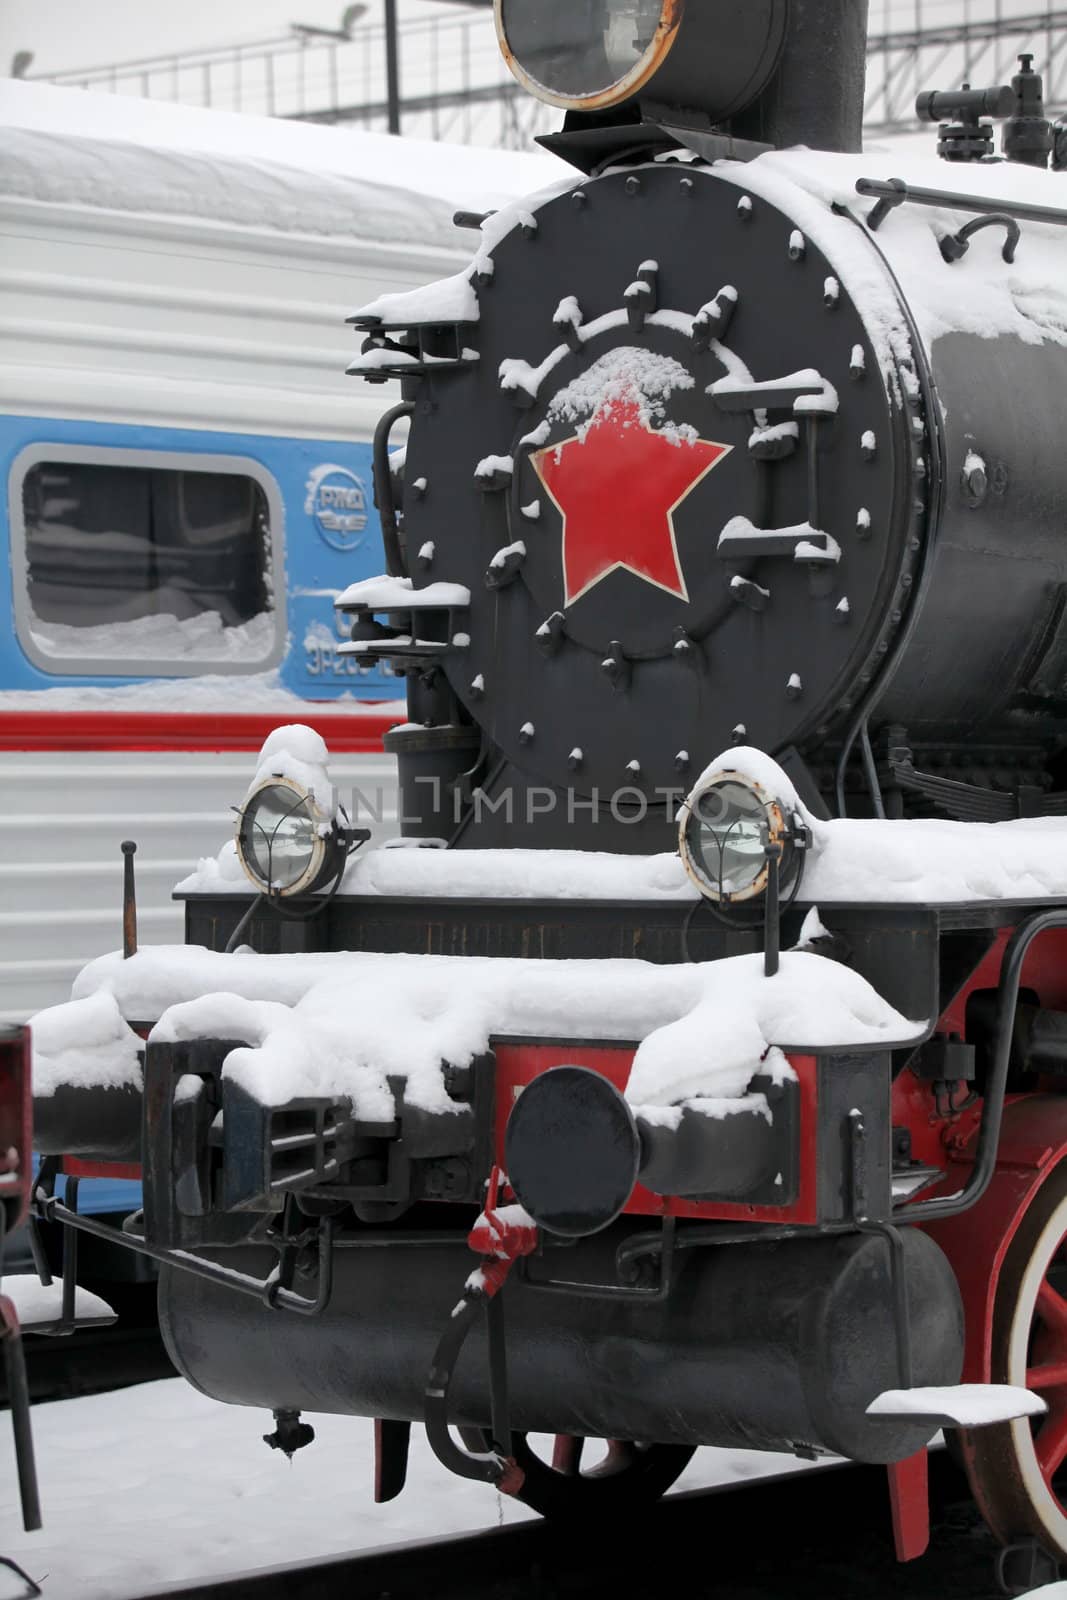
(129, 901)
(392, 66)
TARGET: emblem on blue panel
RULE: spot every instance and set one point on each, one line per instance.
(336, 501)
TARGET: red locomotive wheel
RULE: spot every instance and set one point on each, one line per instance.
(1018, 1470)
(623, 1476)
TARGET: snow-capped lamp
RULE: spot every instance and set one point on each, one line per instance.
(742, 839)
(287, 844)
(291, 837)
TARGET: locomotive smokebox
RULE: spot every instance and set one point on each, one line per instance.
(773, 1346)
(782, 72)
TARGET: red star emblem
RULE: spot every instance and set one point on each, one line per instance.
(617, 491)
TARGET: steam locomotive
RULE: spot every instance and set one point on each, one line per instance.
(716, 1013)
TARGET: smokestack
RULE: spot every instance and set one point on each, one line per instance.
(816, 96)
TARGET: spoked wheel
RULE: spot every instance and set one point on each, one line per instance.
(596, 1477)
(1018, 1470)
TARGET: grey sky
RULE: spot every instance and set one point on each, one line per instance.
(87, 33)
(84, 33)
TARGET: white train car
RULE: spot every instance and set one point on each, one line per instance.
(187, 479)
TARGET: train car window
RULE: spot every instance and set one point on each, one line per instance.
(155, 566)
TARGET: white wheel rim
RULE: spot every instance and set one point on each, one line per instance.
(1047, 1507)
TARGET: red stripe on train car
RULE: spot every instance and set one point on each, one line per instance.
(353, 732)
(128, 1170)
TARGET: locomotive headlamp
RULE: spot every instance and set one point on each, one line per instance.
(588, 55)
(286, 843)
(729, 830)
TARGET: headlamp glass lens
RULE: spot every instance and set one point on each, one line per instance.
(730, 827)
(579, 48)
(279, 836)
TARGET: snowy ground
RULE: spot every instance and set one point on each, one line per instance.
(157, 1484)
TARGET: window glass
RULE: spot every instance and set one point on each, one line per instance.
(580, 48)
(146, 561)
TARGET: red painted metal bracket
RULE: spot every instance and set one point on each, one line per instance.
(909, 1499)
(1033, 1143)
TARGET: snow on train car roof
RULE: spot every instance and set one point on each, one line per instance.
(69, 147)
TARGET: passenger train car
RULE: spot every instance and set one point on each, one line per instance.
(186, 476)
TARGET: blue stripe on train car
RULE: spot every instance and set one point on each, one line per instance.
(98, 1196)
(332, 537)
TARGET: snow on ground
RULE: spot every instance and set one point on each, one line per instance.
(158, 1484)
(36, 1302)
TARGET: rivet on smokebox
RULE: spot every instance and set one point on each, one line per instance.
(633, 185)
(615, 667)
(550, 634)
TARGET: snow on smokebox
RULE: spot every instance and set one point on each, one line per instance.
(339, 1025)
(454, 299)
(298, 753)
(628, 376)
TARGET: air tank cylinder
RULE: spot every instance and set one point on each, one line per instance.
(774, 1346)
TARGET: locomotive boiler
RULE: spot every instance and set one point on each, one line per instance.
(715, 1013)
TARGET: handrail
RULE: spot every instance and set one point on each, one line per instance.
(981, 1175)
